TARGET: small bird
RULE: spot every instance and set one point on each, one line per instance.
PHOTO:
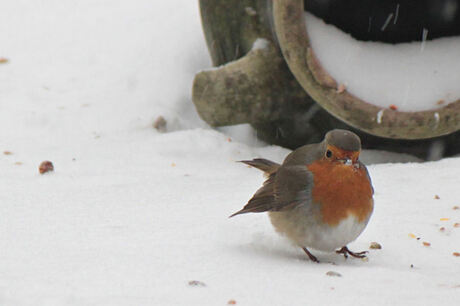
(321, 197)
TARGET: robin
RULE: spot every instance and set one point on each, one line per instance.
(320, 197)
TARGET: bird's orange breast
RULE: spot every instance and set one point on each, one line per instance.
(341, 190)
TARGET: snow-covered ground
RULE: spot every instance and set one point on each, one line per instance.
(132, 216)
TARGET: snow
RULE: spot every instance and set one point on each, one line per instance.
(413, 76)
(260, 43)
(396, 13)
(436, 118)
(387, 21)
(131, 215)
(380, 115)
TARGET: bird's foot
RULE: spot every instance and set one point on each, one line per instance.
(345, 251)
(310, 255)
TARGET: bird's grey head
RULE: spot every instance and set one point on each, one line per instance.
(343, 139)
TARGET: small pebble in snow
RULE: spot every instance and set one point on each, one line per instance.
(160, 124)
(7, 152)
(411, 266)
(456, 224)
(375, 246)
(46, 166)
(436, 197)
(333, 273)
(195, 283)
(18, 163)
(411, 235)
(442, 229)
(229, 139)
(231, 302)
(440, 102)
(173, 164)
(393, 107)
(427, 244)
(456, 254)
(3, 60)
(455, 208)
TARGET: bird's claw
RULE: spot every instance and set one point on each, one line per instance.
(345, 252)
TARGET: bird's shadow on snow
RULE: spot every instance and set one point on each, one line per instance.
(276, 250)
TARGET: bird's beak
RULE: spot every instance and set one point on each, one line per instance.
(347, 161)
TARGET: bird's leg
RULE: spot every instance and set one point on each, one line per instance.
(345, 251)
(310, 255)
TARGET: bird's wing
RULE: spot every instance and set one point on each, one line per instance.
(292, 186)
(284, 189)
(263, 199)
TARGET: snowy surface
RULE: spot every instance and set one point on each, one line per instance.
(260, 43)
(130, 216)
(413, 76)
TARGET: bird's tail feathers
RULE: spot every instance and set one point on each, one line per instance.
(265, 165)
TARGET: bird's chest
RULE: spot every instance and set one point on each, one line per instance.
(341, 191)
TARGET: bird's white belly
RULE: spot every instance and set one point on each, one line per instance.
(306, 231)
(329, 238)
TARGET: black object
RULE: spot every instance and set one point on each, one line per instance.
(391, 21)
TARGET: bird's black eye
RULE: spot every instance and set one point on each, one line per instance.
(328, 154)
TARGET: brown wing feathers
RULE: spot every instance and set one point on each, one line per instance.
(264, 198)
